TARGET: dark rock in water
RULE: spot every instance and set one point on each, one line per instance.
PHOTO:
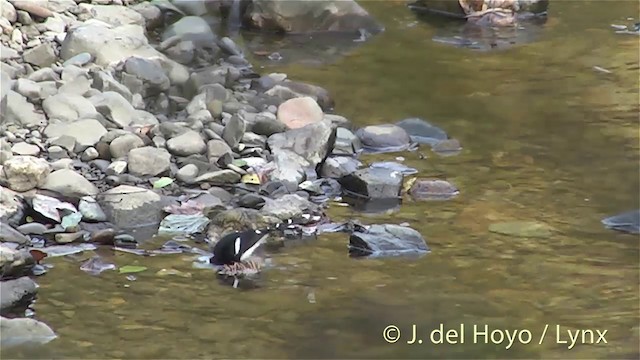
(628, 222)
(433, 190)
(422, 132)
(374, 206)
(394, 166)
(373, 183)
(384, 138)
(387, 240)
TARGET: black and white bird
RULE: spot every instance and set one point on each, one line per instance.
(236, 251)
(238, 246)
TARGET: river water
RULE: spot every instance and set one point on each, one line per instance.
(546, 137)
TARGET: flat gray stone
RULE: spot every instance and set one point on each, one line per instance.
(188, 143)
(69, 183)
(130, 206)
(148, 161)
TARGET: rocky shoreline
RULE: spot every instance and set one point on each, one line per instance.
(108, 139)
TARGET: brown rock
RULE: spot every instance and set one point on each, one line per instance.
(299, 112)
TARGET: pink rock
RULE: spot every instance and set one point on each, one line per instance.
(299, 112)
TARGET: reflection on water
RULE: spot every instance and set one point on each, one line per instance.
(546, 139)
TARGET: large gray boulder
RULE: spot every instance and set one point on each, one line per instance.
(130, 206)
(86, 132)
(311, 143)
(21, 112)
(148, 161)
(387, 240)
(373, 183)
(110, 45)
(69, 183)
(16, 292)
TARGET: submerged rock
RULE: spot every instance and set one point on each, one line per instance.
(387, 240)
(24, 331)
(373, 183)
(525, 229)
(628, 222)
(422, 132)
(96, 265)
(424, 189)
(394, 166)
(303, 16)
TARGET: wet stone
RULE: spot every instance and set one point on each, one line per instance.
(422, 132)
(387, 240)
(384, 138)
(433, 190)
(373, 183)
(628, 222)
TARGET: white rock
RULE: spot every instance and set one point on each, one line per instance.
(24, 332)
(7, 11)
(148, 161)
(121, 145)
(114, 107)
(19, 111)
(86, 132)
(298, 112)
(114, 15)
(24, 173)
(68, 107)
(117, 168)
(23, 148)
(186, 144)
(28, 88)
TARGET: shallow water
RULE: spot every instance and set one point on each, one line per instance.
(546, 138)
